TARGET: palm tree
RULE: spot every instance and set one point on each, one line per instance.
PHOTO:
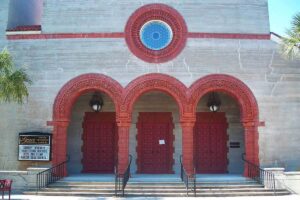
(12, 82)
(291, 43)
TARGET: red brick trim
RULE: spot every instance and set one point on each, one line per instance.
(124, 99)
(230, 36)
(65, 100)
(243, 95)
(154, 82)
(49, 36)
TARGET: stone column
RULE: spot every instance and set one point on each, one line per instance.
(123, 145)
(188, 144)
(59, 144)
(251, 144)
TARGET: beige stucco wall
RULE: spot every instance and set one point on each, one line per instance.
(274, 81)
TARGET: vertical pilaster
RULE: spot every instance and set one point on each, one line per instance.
(188, 145)
(251, 144)
(123, 145)
(59, 146)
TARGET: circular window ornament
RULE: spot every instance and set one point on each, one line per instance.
(156, 33)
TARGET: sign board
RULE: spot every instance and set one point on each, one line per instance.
(235, 145)
(35, 146)
(161, 142)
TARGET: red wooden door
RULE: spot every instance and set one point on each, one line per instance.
(211, 143)
(155, 143)
(99, 141)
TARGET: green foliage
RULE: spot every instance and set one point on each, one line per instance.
(291, 44)
(12, 82)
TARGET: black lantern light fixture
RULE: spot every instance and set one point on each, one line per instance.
(96, 102)
(214, 102)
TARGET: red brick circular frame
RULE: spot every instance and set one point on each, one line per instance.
(156, 12)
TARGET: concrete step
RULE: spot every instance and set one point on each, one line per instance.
(150, 194)
(166, 189)
(157, 189)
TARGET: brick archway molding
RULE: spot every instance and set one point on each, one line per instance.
(124, 99)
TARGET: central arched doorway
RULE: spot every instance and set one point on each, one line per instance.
(155, 114)
(156, 103)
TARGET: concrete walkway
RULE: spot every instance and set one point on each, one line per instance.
(24, 197)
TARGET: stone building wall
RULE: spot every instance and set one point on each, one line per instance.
(214, 16)
(274, 81)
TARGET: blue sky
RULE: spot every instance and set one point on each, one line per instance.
(281, 14)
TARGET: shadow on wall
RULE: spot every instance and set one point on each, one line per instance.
(23, 13)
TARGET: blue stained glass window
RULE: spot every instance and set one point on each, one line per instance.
(156, 35)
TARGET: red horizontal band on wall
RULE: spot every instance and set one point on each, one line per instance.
(230, 36)
(65, 36)
(122, 35)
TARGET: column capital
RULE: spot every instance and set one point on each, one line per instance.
(250, 124)
(60, 122)
(124, 119)
(124, 123)
(188, 121)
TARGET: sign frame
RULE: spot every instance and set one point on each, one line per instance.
(33, 135)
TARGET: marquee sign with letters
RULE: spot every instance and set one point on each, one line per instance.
(35, 146)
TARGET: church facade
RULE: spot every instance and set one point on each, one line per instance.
(153, 80)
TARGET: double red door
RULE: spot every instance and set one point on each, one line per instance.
(155, 143)
(211, 143)
(99, 142)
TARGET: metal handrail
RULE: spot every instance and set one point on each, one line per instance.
(121, 180)
(189, 180)
(51, 175)
(260, 175)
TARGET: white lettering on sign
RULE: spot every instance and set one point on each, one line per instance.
(161, 142)
(34, 152)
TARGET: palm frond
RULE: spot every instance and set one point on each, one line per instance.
(13, 83)
(291, 44)
(296, 23)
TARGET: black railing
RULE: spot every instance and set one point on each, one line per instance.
(260, 175)
(121, 180)
(51, 175)
(189, 180)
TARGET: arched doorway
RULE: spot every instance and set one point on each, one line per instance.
(92, 136)
(239, 91)
(156, 117)
(155, 104)
(218, 136)
(65, 101)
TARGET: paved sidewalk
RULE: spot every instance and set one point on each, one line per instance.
(25, 197)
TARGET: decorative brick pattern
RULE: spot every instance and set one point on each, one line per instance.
(156, 12)
(124, 99)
